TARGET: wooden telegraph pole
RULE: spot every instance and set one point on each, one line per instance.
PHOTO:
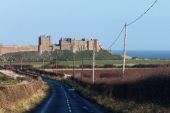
(21, 62)
(82, 63)
(56, 60)
(94, 49)
(125, 49)
(43, 63)
(73, 65)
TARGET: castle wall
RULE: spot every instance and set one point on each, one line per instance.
(42, 48)
(82, 45)
(13, 49)
(54, 47)
(65, 45)
(98, 47)
(79, 45)
(90, 45)
(45, 44)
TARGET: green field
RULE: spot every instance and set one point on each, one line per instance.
(115, 62)
(65, 58)
(34, 64)
(89, 62)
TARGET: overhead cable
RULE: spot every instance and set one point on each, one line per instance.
(114, 42)
(143, 14)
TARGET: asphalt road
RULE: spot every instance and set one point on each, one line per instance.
(64, 99)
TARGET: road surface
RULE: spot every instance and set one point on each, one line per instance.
(64, 99)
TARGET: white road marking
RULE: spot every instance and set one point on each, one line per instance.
(68, 104)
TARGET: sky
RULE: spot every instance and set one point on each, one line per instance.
(22, 21)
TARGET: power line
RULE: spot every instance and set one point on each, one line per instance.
(132, 22)
(138, 18)
(114, 42)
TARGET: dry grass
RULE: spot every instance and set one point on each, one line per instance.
(6, 80)
(110, 76)
(117, 105)
(26, 105)
(121, 106)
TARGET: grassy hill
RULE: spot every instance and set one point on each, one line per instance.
(65, 58)
(101, 55)
(61, 55)
(26, 56)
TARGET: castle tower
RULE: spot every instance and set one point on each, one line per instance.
(44, 44)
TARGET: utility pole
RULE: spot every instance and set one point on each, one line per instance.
(82, 63)
(56, 61)
(21, 62)
(94, 49)
(10, 61)
(73, 65)
(125, 50)
(43, 63)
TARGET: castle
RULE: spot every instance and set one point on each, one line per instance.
(45, 44)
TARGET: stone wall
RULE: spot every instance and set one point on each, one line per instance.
(13, 49)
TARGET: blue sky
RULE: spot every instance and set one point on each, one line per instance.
(22, 21)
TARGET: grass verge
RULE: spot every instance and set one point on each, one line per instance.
(26, 106)
(6, 80)
(114, 105)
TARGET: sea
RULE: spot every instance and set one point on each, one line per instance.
(163, 55)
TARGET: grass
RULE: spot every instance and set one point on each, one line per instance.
(115, 105)
(34, 64)
(5, 80)
(113, 62)
(89, 62)
(26, 105)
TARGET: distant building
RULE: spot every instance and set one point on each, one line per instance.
(45, 44)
